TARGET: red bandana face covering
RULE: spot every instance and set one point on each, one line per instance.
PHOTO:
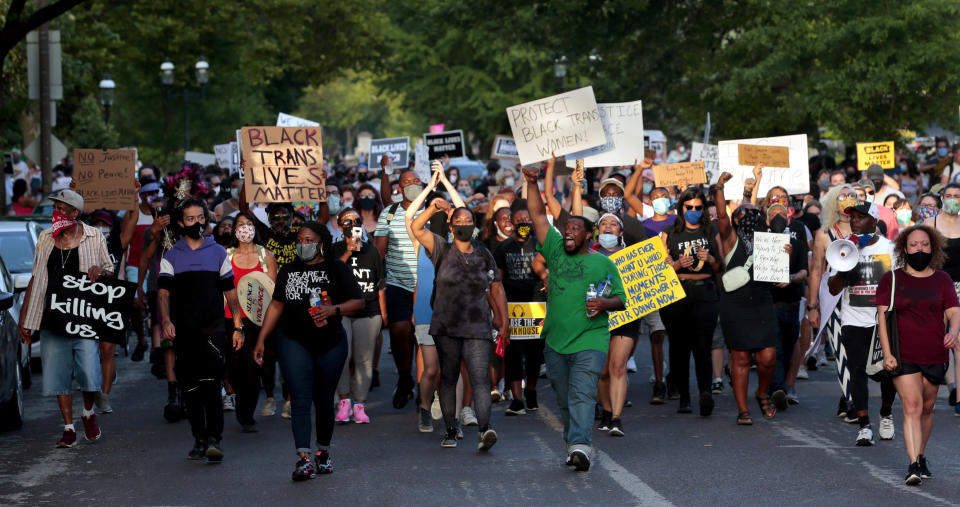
(61, 222)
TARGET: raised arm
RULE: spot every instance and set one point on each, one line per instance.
(552, 203)
(538, 212)
(576, 203)
(417, 227)
(724, 226)
(630, 192)
(437, 168)
(757, 174)
(384, 180)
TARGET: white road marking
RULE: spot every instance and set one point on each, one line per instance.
(643, 493)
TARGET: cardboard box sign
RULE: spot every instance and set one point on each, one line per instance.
(283, 164)
(770, 156)
(397, 147)
(683, 173)
(739, 156)
(448, 143)
(106, 178)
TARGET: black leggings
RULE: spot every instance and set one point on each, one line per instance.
(475, 353)
(244, 373)
(856, 341)
(690, 323)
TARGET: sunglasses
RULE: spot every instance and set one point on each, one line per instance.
(691, 208)
(277, 218)
(349, 223)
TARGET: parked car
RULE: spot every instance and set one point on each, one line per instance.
(468, 167)
(14, 356)
(18, 240)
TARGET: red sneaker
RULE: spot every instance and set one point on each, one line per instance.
(91, 430)
(69, 439)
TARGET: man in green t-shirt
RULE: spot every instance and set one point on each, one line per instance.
(575, 328)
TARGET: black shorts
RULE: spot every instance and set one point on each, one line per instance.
(935, 373)
(630, 330)
(399, 304)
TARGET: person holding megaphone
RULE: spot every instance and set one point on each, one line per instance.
(858, 315)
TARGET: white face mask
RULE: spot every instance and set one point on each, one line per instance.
(104, 230)
(453, 178)
(608, 241)
(508, 181)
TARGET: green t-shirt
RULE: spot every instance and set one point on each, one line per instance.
(567, 329)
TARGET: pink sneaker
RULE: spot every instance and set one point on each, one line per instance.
(343, 411)
(359, 414)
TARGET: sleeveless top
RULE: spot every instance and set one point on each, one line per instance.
(238, 273)
(951, 248)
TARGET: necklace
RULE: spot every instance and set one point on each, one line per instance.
(64, 259)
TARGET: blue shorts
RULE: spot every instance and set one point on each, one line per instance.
(65, 358)
(131, 274)
(399, 304)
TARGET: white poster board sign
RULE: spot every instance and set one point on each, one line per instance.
(711, 162)
(235, 157)
(655, 140)
(289, 120)
(561, 124)
(795, 178)
(222, 152)
(203, 159)
(623, 126)
(770, 262)
(421, 162)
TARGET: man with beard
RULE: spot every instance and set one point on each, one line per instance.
(577, 341)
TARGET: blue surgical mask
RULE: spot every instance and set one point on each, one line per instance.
(941, 152)
(692, 216)
(333, 203)
(608, 241)
(661, 205)
(647, 187)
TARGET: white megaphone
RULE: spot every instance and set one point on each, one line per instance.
(842, 255)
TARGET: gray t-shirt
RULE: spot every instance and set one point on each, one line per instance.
(460, 306)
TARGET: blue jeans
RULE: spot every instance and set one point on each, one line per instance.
(788, 318)
(64, 358)
(312, 377)
(574, 378)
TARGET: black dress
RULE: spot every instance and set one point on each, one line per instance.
(747, 316)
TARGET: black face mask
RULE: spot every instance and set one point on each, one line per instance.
(463, 232)
(223, 239)
(778, 224)
(368, 203)
(877, 184)
(919, 260)
(194, 231)
(362, 177)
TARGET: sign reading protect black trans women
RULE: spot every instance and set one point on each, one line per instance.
(85, 309)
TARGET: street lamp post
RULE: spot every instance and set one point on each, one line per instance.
(560, 71)
(107, 87)
(202, 76)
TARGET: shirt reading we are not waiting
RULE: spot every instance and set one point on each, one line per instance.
(297, 282)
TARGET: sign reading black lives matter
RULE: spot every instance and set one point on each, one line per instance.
(93, 310)
(448, 143)
(397, 147)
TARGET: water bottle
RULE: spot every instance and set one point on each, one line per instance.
(591, 293)
(315, 301)
(604, 288)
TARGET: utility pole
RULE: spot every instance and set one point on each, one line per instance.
(46, 167)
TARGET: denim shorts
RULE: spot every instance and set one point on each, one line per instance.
(65, 358)
(423, 335)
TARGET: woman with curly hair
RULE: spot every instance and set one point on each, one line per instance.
(923, 297)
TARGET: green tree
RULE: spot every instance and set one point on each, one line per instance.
(89, 129)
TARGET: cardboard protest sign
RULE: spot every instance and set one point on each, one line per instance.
(448, 143)
(875, 153)
(222, 152)
(421, 161)
(561, 124)
(255, 291)
(397, 147)
(289, 120)
(623, 127)
(106, 178)
(93, 310)
(649, 282)
(770, 262)
(526, 320)
(707, 153)
(504, 148)
(791, 174)
(683, 173)
(283, 164)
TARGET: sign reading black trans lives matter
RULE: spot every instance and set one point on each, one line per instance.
(562, 124)
(84, 309)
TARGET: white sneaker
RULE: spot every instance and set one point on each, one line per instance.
(468, 417)
(435, 411)
(802, 372)
(865, 437)
(822, 358)
(631, 365)
(886, 428)
(543, 371)
(269, 407)
(285, 411)
(230, 403)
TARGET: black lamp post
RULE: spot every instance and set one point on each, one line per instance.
(202, 76)
(107, 87)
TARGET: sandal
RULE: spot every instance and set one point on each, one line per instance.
(766, 407)
(743, 419)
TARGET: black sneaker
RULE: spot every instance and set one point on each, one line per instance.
(913, 475)
(530, 396)
(515, 408)
(924, 471)
(842, 408)
(401, 393)
(304, 471)
(716, 387)
(684, 407)
(248, 428)
(672, 394)
(616, 428)
(138, 352)
(779, 398)
(659, 393)
(323, 462)
(812, 363)
(424, 421)
(199, 450)
(450, 439)
(706, 404)
(214, 452)
(579, 461)
(605, 419)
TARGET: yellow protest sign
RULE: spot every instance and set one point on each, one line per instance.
(875, 153)
(649, 283)
(526, 320)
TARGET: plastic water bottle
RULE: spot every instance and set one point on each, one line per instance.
(317, 300)
(591, 293)
(604, 288)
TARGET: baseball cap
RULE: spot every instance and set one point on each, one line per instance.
(611, 181)
(648, 174)
(937, 188)
(101, 216)
(591, 214)
(865, 183)
(69, 197)
(867, 208)
(875, 172)
(146, 188)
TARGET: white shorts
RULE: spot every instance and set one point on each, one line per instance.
(423, 334)
(653, 322)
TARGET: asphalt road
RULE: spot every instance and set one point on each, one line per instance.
(804, 456)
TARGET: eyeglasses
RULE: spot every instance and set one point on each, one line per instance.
(691, 208)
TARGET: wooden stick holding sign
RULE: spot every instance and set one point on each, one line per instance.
(683, 173)
(283, 164)
(106, 178)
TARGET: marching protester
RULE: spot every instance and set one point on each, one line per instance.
(923, 297)
(467, 287)
(947, 224)
(311, 295)
(68, 246)
(576, 345)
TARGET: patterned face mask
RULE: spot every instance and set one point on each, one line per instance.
(749, 222)
(245, 233)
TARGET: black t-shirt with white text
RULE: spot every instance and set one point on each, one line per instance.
(297, 283)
